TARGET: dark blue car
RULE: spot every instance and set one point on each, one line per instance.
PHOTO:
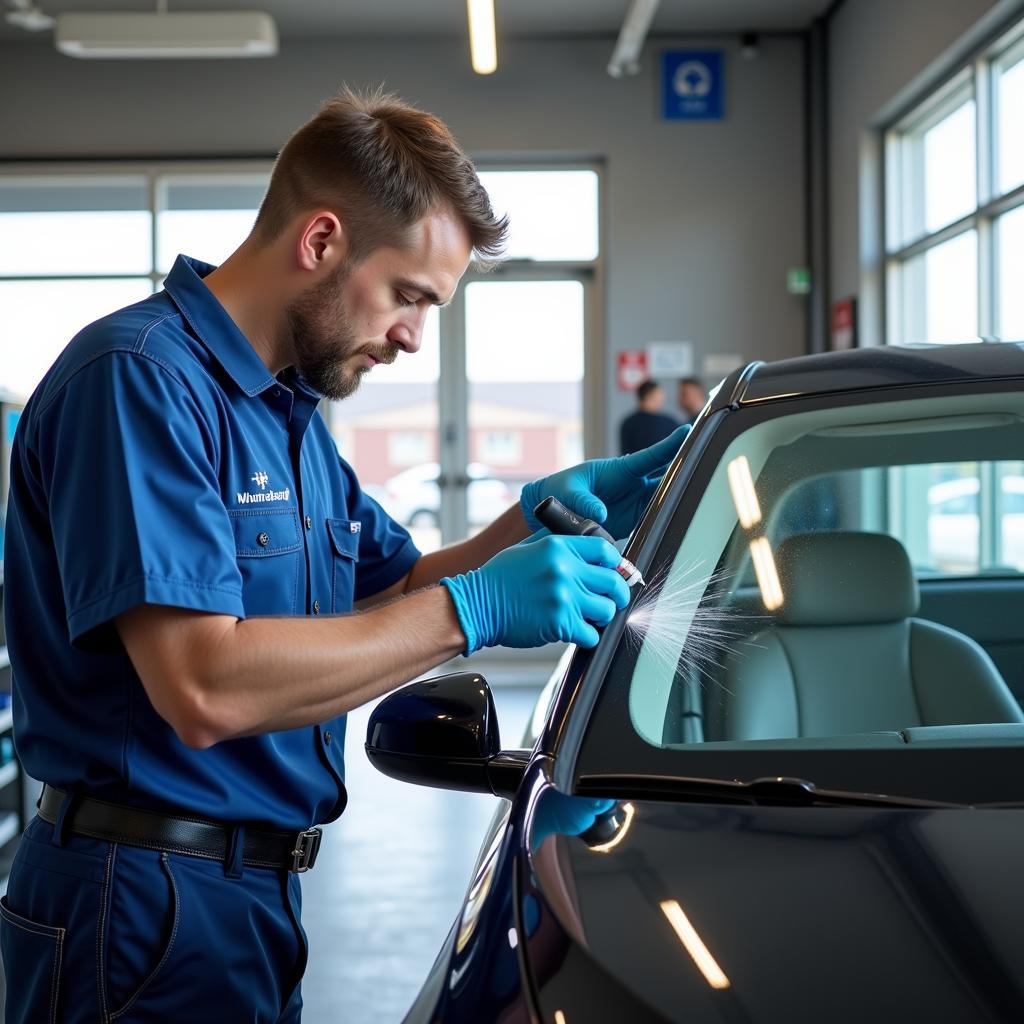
(787, 785)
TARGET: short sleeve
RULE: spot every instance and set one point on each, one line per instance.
(386, 551)
(128, 464)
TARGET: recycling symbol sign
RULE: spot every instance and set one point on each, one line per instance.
(692, 85)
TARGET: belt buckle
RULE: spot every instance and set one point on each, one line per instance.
(307, 846)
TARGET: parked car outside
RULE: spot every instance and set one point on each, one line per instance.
(786, 784)
(954, 522)
(413, 497)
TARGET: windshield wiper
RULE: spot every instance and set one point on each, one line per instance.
(772, 791)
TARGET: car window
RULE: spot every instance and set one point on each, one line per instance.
(789, 606)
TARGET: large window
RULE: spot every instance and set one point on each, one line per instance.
(955, 243)
(955, 206)
(445, 438)
(76, 246)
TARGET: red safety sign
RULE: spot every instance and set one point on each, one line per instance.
(632, 368)
(844, 324)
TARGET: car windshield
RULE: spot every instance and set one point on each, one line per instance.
(835, 577)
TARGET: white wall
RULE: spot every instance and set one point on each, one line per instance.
(876, 49)
(702, 219)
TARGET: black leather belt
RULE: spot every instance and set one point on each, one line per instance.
(195, 837)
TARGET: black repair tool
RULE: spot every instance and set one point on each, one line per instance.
(558, 519)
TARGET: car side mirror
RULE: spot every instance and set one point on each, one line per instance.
(443, 732)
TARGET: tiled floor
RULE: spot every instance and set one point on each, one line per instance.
(390, 878)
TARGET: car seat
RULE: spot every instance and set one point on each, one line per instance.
(846, 655)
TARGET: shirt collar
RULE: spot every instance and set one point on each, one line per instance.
(214, 327)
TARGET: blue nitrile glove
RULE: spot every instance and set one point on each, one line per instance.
(556, 589)
(612, 492)
(557, 813)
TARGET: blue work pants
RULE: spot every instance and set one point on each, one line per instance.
(93, 931)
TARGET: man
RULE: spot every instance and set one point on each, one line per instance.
(692, 398)
(183, 544)
(648, 424)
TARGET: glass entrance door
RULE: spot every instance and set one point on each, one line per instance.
(524, 357)
(445, 439)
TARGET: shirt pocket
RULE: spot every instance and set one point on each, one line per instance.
(344, 535)
(268, 549)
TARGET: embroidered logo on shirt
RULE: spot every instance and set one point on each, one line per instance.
(355, 527)
(262, 495)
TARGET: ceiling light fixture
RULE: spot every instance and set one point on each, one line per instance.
(483, 42)
(626, 55)
(159, 34)
(28, 15)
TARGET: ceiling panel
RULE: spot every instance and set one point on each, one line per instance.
(448, 17)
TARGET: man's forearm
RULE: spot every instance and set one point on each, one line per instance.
(237, 678)
(508, 529)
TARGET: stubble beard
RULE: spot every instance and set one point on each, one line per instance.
(324, 338)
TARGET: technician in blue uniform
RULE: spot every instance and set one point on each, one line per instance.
(182, 544)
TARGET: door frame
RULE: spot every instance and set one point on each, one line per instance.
(453, 385)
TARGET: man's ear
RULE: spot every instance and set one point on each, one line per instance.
(322, 242)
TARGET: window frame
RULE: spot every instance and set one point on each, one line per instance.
(452, 393)
(976, 78)
(155, 174)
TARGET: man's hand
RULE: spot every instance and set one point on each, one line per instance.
(557, 589)
(613, 492)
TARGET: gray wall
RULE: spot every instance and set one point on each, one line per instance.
(877, 48)
(702, 219)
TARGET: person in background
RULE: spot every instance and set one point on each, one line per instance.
(692, 398)
(648, 424)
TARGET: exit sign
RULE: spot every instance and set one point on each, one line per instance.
(798, 281)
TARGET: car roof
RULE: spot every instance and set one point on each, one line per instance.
(870, 368)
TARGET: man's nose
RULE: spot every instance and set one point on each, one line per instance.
(408, 335)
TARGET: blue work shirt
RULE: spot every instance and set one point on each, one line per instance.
(160, 462)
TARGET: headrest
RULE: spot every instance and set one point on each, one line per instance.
(844, 579)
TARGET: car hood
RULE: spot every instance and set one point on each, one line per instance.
(674, 912)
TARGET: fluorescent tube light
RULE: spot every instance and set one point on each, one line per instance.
(483, 43)
(626, 55)
(181, 35)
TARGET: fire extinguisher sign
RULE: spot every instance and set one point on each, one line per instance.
(631, 368)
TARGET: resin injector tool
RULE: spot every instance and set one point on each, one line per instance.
(558, 519)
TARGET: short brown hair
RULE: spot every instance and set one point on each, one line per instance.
(382, 165)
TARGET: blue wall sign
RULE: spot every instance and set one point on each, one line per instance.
(691, 85)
